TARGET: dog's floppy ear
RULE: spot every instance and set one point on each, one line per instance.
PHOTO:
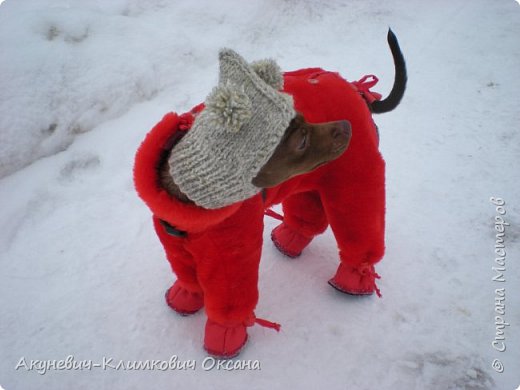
(269, 71)
(229, 106)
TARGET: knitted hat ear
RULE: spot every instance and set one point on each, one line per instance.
(235, 135)
(229, 107)
(269, 71)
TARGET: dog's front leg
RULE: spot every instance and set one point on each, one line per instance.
(355, 209)
(227, 261)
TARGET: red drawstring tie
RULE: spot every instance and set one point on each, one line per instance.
(268, 324)
(186, 119)
(273, 214)
(260, 321)
(363, 87)
(368, 270)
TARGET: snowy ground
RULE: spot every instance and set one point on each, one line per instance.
(83, 274)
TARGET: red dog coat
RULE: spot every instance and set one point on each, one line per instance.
(217, 252)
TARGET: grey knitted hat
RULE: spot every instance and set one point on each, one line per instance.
(234, 136)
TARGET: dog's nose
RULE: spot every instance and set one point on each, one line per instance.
(341, 134)
(342, 129)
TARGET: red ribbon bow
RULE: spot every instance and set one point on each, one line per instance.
(363, 87)
(366, 269)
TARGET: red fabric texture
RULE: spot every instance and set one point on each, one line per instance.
(220, 254)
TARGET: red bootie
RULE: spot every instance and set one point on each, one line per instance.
(359, 280)
(183, 301)
(288, 241)
(226, 342)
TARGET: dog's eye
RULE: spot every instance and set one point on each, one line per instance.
(303, 143)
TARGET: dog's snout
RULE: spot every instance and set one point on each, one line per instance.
(342, 128)
(341, 131)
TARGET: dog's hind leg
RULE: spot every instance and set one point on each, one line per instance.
(304, 218)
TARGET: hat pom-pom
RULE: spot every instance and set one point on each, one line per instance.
(229, 106)
(269, 71)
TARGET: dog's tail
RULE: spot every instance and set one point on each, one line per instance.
(397, 92)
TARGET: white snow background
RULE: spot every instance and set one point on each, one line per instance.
(83, 274)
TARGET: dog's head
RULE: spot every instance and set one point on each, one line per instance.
(303, 148)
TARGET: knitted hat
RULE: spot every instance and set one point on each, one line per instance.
(234, 136)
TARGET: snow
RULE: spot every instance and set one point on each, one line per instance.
(83, 273)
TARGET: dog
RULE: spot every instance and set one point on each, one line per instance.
(303, 148)
(325, 170)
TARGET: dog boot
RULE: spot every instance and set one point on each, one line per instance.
(360, 280)
(288, 241)
(183, 301)
(226, 342)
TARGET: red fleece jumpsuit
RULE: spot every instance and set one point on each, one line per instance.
(220, 252)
